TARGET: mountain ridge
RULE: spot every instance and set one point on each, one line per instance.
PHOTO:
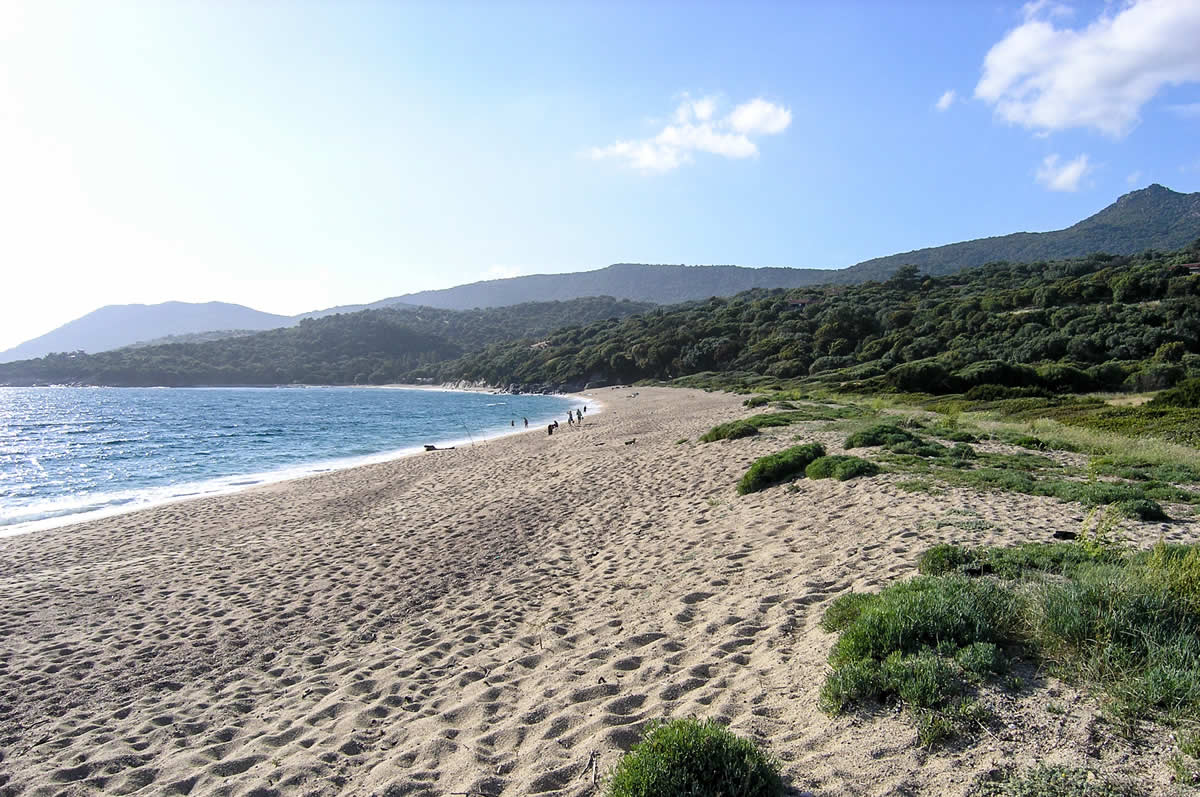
(1154, 217)
(117, 325)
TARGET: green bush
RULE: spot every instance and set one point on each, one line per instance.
(1141, 508)
(997, 372)
(880, 434)
(942, 559)
(775, 468)
(841, 467)
(998, 392)
(924, 612)
(963, 451)
(757, 401)
(733, 430)
(690, 758)
(845, 610)
(924, 376)
(1186, 395)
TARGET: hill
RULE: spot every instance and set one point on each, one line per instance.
(1101, 322)
(1154, 217)
(368, 347)
(661, 284)
(125, 324)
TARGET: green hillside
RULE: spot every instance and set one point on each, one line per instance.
(1152, 218)
(368, 347)
(1089, 323)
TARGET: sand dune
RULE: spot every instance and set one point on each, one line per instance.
(501, 619)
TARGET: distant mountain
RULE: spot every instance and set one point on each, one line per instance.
(120, 325)
(1151, 218)
(1154, 217)
(661, 284)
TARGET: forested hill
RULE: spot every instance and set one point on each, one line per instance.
(1152, 218)
(368, 347)
(1100, 322)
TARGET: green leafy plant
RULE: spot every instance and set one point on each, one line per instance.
(775, 468)
(841, 467)
(693, 758)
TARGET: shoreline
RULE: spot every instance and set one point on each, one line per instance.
(233, 483)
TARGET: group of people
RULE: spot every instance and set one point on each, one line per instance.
(573, 417)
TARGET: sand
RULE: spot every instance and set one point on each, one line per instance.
(494, 619)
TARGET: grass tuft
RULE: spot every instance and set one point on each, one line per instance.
(1053, 781)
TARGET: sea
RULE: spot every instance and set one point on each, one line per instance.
(76, 453)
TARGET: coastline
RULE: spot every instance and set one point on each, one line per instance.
(233, 483)
(488, 619)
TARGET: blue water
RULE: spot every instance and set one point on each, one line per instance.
(70, 454)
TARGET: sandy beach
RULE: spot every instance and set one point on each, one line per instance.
(498, 619)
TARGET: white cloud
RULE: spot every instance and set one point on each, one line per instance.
(946, 100)
(1063, 176)
(694, 129)
(1134, 177)
(760, 116)
(1047, 78)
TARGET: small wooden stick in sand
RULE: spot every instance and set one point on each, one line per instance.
(592, 764)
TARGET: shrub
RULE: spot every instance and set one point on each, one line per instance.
(880, 434)
(690, 758)
(924, 612)
(733, 430)
(756, 401)
(776, 468)
(922, 376)
(846, 609)
(962, 451)
(998, 392)
(943, 558)
(1066, 378)
(841, 467)
(1141, 508)
(1186, 395)
(1155, 376)
(998, 372)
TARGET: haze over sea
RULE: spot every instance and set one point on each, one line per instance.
(69, 454)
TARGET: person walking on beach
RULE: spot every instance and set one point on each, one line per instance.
(526, 422)
(550, 429)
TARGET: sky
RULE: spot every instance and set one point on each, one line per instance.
(292, 156)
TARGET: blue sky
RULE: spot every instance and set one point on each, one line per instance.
(291, 156)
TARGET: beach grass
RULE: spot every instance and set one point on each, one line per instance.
(1093, 611)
